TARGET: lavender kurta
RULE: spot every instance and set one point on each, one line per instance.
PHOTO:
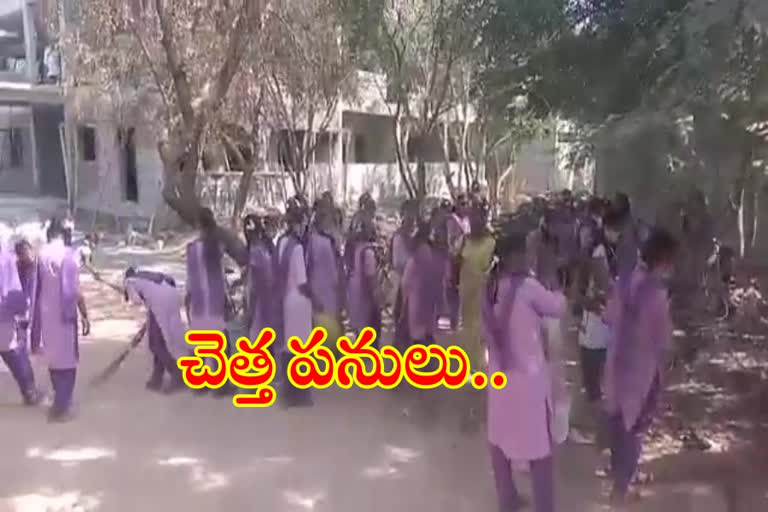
(641, 331)
(55, 306)
(422, 291)
(518, 415)
(324, 275)
(297, 308)
(13, 302)
(360, 300)
(164, 302)
(259, 289)
(400, 252)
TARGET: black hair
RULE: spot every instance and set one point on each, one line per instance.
(366, 202)
(295, 211)
(410, 208)
(595, 206)
(613, 219)
(20, 245)
(55, 229)
(509, 244)
(621, 204)
(660, 248)
(423, 231)
(211, 247)
(254, 227)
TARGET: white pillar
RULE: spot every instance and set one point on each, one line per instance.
(33, 150)
(30, 39)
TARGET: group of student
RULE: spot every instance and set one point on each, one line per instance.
(42, 311)
(499, 293)
(614, 273)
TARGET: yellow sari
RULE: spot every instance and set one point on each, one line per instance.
(476, 256)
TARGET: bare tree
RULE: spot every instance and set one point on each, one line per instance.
(178, 59)
(417, 45)
(306, 74)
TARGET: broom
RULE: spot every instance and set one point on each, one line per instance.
(115, 365)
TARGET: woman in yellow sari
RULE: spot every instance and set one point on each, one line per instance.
(475, 260)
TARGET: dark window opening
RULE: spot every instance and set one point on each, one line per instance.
(453, 151)
(360, 155)
(412, 149)
(285, 147)
(131, 178)
(234, 162)
(88, 143)
(16, 142)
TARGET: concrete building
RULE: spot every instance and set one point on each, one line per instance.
(65, 143)
(31, 112)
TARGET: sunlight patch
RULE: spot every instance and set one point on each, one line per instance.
(208, 480)
(400, 454)
(50, 501)
(278, 459)
(307, 501)
(71, 455)
(179, 461)
(384, 471)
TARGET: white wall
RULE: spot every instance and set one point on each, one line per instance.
(21, 179)
(101, 183)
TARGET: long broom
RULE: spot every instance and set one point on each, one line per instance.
(115, 365)
(107, 373)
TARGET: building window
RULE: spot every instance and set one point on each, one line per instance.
(127, 139)
(87, 135)
(16, 150)
(360, 155)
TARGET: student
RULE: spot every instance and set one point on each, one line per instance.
(421, 289)
(515, 306)
(26, 266)
(206, 302)
(365, 214)
(363, 296)
(165, 330)
(476, 254)
(593, 337)
(541, 252)
(14, 305)
(623, 234)
(401, 249)
(641, 330)
(325, 271)
(590, 235)
(457, 228)
(293, 297)
(54, 319)
(443, 260)
(259, 276)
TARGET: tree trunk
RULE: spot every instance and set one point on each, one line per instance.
(180, 193)
(742, 234)
(447, 174)
(243, 189)
(401, 153)
(421, 178)
(756, 213)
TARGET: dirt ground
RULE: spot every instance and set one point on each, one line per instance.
(354, 450)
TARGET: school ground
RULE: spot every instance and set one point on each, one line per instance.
(356, 450)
